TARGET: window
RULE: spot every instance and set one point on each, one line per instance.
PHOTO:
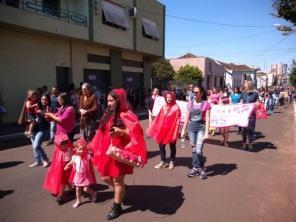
(221, 82)
(51, 7)
(98, 59)
(113, 15)
(149, 29)
(208, 81)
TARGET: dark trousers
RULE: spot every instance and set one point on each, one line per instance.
(248, 132)
(163, 152)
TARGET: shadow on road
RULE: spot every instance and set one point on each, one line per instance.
(14, 143)
(257, 146)
(10, 164)
(158, 199)
(99, 187)
(152, 154)
(220, 169)
(4, 193)
(184, 161)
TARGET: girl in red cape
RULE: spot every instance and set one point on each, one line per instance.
(165, 129)
(57, 178)
(120, 127)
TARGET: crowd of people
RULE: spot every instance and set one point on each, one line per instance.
(111, 137)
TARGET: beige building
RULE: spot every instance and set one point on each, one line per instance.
(57, 42)
(212, 70)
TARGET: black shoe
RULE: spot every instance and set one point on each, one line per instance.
(115, 212)
(70, 192)
(60, 200)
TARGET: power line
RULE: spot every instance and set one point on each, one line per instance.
(225, 41)
(200, 20)
(218, 23)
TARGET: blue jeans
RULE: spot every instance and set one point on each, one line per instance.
(52, 130)
(36, 140)
(197, 142)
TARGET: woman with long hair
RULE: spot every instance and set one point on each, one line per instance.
(40, 132)
(249, 96)
(120, 128)
(198, 118)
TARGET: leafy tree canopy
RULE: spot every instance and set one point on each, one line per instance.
(285, 9)
(162, 73)
(188, 73)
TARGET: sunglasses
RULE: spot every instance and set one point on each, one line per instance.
(195, 93)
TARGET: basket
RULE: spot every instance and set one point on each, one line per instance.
(124, 156)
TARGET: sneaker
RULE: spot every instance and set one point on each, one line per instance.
(193, 173)
(245, 146)
(171, 166)
(251, 146)
(45, 164)
(203, 175)
(162, 164)
(35, 164)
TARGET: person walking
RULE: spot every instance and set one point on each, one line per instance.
(165, 129)
(150, 104)
(54, 107)
(88, 109)
(249, 96)
(119, 127)
(198, 118)
(83, 171)
(40, 132)
(224, 100)
(64, 117)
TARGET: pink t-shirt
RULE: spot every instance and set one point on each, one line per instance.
(204, 105)
(67, 117)
(214, 98)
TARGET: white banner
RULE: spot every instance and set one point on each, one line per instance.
(160, 101)
(230, 115)
(221, 115)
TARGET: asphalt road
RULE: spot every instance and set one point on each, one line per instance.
(242, 186)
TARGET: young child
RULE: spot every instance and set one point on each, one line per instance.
(83, 171)
(57, 178)
(31, 110)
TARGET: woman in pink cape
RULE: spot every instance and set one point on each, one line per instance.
(119, 127)
(165, 129)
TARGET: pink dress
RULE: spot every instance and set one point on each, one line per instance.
(83, 171)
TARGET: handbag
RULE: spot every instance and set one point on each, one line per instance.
(124, 156)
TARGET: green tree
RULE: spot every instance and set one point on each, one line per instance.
(189, 73)
(162, 73)
(293, 73)
(285, 9)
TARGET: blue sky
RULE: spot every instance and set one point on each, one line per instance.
(261, 45)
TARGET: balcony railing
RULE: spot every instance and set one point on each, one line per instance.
(41, 8)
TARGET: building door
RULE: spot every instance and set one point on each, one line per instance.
(133, 80)
(98, 78)
(63, 78)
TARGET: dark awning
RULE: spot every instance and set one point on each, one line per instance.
(150, 29)
(114, 14)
